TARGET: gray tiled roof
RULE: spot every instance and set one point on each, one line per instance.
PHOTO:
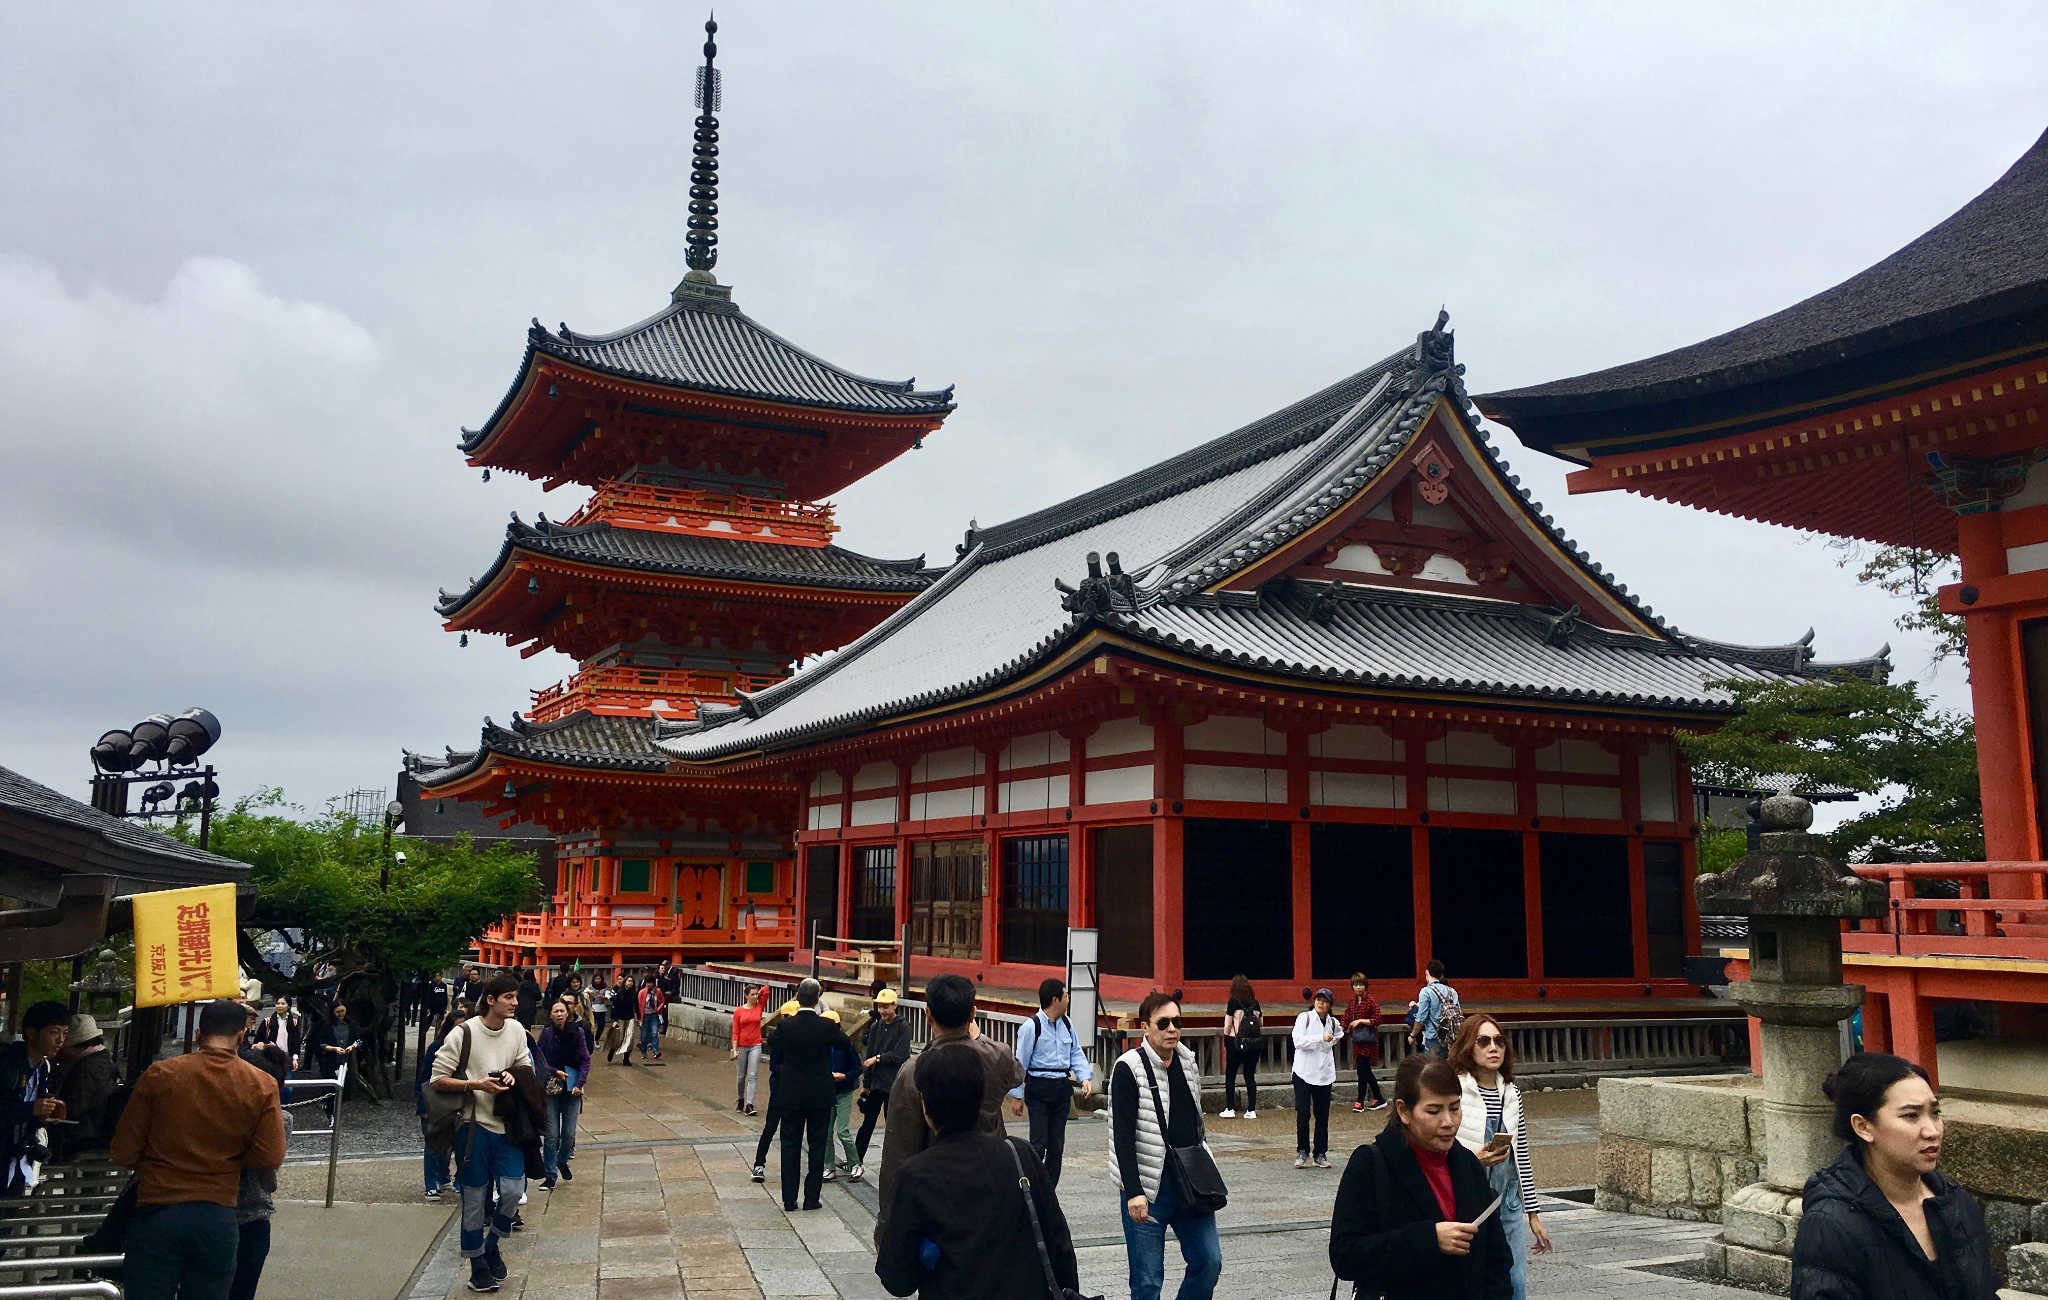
(1183, 524)
(1989, 259)
(1419, 641)
(642, 550)
(582, 739)
(41, 825)
(703, 342)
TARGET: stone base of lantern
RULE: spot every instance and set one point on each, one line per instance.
(1758, 1226)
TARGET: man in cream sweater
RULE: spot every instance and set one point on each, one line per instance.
(496, 1043)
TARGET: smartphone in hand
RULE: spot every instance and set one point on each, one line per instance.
(1500, 1141)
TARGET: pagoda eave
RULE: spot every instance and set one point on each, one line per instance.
(571, 797)
(568, 423)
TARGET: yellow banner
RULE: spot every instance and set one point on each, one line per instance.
(185, 946)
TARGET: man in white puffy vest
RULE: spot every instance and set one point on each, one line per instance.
(1159, 1077)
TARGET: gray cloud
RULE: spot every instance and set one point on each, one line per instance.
(258, 267)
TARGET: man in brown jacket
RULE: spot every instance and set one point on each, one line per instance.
(949, 999)
(190, 1128)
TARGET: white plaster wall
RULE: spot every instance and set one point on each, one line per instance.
(1119, 736)
(1033, 794)
(1355, 790)
(1578, 801)
(1471, 749)
(873, 812)
(1120, 784)
(1350, 740)
(1659, 778)
(825, 785)
(1458, 794)
(1233, 784)
(946, 764)
(825, 816)
(962, 802)
(1358, 559)
(1584, 756)
(875, 776)
(1035, 750)
(1235, 735)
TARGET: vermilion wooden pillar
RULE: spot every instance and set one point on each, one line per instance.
(1877, 1022)
(1298, 860)
(1912, 1024)
(1998, 696)
(1169, 957)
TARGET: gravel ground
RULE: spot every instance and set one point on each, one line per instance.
(368, 1128)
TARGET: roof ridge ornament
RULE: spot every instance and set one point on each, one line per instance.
(1099, 592)
(703, 222)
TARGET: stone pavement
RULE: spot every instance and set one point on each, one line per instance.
(662, 1208)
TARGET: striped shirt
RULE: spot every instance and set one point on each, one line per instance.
(1524, 1175)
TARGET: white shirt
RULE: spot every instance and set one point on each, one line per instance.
(1315, 1061)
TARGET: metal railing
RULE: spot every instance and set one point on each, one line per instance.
(322, 1089)
(42, 1233)
(1541, 1047)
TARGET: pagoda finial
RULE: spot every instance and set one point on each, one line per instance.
(703, 224)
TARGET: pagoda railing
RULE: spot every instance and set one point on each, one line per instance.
(552, 931)
(626, 689)
(711, 514)
(1950, 909)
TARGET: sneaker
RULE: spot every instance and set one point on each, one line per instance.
(739, 1106)
(1358, 1108)
(1251, 1114)
(1226, 1113)
(857, 1173)
(567, 1176)
(522, 1201)
(831, 1175)
(750, 1110)
(433, 1193)
(481, 1277)
(1301, 1160)
(492, 1260)
(1381, 1104)
(760, 1173)
(518, 1223)
(548, 1184)
(1322, 1162)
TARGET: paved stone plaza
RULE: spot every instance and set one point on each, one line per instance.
(662, 1209)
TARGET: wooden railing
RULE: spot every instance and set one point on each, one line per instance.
(552, 931)
(629, 689)
(695, 510)
(1947, 909)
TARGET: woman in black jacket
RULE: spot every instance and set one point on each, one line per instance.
(1881, 1223)
(958, 1224)
(1403, 1226)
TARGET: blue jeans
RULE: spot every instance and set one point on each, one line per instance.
(433, 1164)
(481, 1158)
(650, 1035)
(1145, 1244)
(556, 1149)
(186, 1251)
(1514, 1219)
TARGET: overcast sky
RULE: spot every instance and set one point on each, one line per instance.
(258, 263)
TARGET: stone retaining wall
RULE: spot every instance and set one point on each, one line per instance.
(1678, 1149)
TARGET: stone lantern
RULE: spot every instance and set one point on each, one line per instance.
(1796, 901)
(100, 989)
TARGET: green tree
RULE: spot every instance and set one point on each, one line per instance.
(1913, 575)
(1876, 738)
(355, 920)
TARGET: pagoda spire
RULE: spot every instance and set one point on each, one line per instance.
(703, 224)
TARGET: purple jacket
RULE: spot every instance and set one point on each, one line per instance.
(566, 1049)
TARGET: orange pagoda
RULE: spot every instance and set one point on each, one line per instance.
(701, 568)
(1906, 406)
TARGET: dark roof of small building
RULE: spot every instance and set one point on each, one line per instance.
(582, 739)
(1987, 261)
(644, 550)
(703, 342)
(1188, 523)
(39, 825)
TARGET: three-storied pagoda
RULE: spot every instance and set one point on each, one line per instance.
(1327, 693)
(701, 568)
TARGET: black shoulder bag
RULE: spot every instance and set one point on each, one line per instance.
(1052, 1280)
(1199, 1177)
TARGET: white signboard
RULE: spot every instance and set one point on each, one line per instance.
(1081, 949)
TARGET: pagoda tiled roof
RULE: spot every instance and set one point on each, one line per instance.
(41, 825)
(644, 550)
(1986, 263)
(581, 739)
(1182, 525)
(703, 343)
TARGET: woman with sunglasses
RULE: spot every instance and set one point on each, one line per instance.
(1493, 1126)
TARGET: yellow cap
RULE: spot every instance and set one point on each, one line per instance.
(789, 1008)
(830, 1015)
(887, 996)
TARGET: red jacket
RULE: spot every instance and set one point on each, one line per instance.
(746, 1021)
(652, 1001)
(1367, 1008)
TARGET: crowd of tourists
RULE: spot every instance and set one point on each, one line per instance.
(1439, 1203)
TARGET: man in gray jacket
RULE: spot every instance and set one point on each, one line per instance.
(949, 999)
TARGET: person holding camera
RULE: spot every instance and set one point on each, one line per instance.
(25, 1104)
(477, 1058)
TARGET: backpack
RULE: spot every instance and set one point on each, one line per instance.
(1450, 1013)
(1251, 1031)
(443, 1110)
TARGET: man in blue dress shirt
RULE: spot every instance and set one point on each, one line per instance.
(1051, 1054)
